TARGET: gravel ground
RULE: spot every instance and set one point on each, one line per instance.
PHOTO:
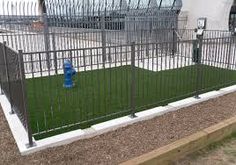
(125, 143)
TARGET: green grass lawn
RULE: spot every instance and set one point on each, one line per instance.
(101, 95)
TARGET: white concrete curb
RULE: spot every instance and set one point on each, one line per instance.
(20, 135)
(17, 129)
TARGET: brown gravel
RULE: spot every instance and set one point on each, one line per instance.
(125, 143)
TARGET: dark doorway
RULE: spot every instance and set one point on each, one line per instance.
(232, 18)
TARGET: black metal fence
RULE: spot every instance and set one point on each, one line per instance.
(133, 77)
(117, 81)
(12, 82)
(125, 64)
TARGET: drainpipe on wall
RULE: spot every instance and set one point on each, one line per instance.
(41, 8)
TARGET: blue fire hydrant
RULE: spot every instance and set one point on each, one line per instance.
(69, 72)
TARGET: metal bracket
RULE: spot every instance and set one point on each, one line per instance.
(132, 116)
(12, 113)
(197, 97)
(30, 145)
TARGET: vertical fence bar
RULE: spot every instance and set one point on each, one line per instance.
(174, 41)
(229, 52)
(7, 75)
(54, 53)
(103, 26)
(133, 92)
(46, 39)
(1, 86)
(1, 70)
(199, 67)
(24, 97)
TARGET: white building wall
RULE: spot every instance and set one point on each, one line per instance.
(216, 12)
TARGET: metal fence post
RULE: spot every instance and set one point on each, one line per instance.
(7, 75)
(1, 71)
(199, 66)
(1, 91)
(46, 39)
(229, 52)
(54, 53)
(147, 49)
(174, 42)
(103, 26)
(24, 96)
(133, 90)
(142, 55)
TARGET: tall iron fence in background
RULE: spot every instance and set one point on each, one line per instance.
(87, 24)
(136, 29)
(60, 32)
